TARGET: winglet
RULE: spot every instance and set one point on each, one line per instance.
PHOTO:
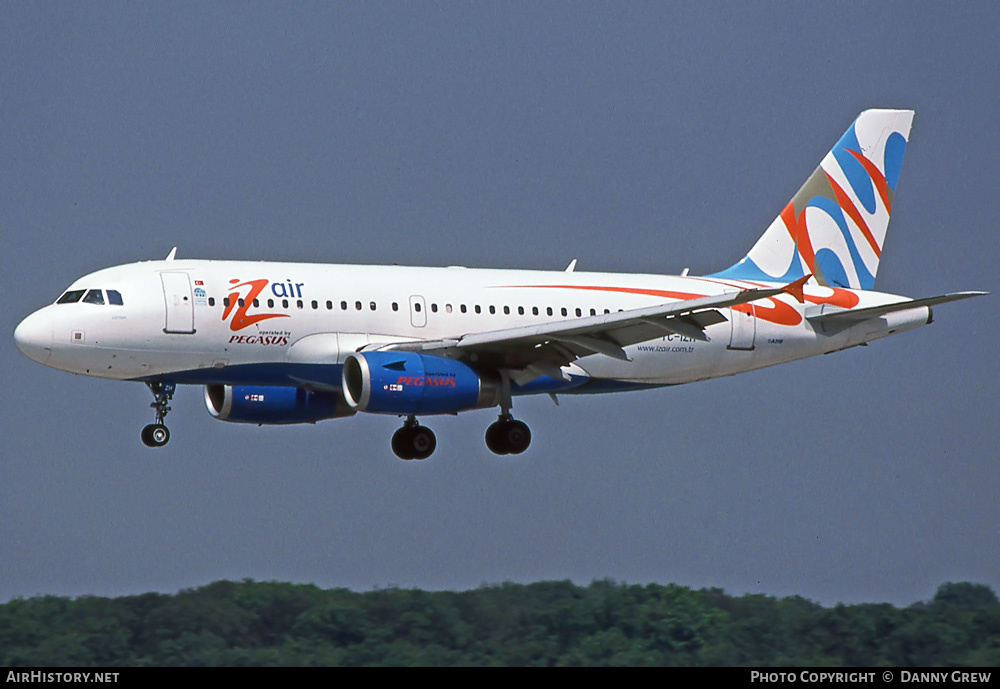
(795, 288)
(571, 267)
(171, 255)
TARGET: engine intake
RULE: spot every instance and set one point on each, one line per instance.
(410, 383)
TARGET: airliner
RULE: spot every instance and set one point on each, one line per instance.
(285, 343)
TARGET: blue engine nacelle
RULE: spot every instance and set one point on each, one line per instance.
(272, 405)
(410, 383)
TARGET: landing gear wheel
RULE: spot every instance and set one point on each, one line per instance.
(508, 436)
(517, 436)
(401, 443)
(422, 442)
(413, 441)
(155, 435)
(493, 440)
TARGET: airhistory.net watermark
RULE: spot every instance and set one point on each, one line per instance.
(61, 677)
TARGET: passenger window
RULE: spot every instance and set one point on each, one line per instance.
(447, 308)
(71, 297)
(115, 298)
(240, 301)
(534, 310)
(520, 310)
(434, 308)
(270, 303)
(462, 308)
(416, 306)
(493, 309)
(506, 310)
(357, 305)
(315, 304)
(372, 306)
(225, 301)
(563, 310)
(548, 310)
(284, 303)
(593, 312)
(329, 306)
(94, 296)
(395, 306)
(343, 306)
(479, 309)
(256, 303)
(579, 312)
(211, 301)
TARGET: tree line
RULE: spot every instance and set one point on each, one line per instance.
(547, 623)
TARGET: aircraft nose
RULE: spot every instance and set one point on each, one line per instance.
(33, 336)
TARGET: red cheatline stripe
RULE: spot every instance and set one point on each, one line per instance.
(780, 312)
(668, 294)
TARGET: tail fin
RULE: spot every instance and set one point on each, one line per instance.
(835, 225)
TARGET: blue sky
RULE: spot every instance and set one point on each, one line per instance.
(647, 137)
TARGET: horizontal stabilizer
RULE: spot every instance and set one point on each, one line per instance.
(848, 316)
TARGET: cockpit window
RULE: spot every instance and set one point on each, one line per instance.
(71, 297)
(94, 296)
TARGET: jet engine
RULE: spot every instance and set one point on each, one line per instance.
(411, 383)
(272, 405)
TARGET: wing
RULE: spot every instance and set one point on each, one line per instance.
(542, 349)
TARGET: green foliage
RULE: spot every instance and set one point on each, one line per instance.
(548, 623)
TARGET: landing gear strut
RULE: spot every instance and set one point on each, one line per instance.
(413, 441)
(507, 435)
(156, 434)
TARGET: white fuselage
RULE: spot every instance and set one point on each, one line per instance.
(277, 343)
(183, 321)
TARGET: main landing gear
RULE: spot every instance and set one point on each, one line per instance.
(413, 441)
(508, 436)
(505, 436)
(156, 434)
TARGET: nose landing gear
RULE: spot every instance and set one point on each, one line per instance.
(156, 434)
(413, 441)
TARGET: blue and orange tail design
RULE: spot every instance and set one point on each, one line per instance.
(834, 227)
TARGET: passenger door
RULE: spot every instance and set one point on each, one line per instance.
(744, 329)
(178, 302)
